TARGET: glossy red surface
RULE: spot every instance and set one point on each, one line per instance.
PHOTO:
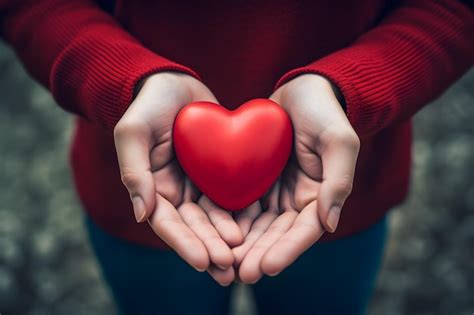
(233, 157)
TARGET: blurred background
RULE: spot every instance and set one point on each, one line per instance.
(46, 265)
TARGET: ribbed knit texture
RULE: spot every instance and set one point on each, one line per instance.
(90, 63)
(388, 63)
(393, 70)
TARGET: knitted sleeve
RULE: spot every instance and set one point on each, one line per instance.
(407, 60)
(87, 60)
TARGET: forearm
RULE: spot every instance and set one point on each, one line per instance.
(411, 57)
(88, 61)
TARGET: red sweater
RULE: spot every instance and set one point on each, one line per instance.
(388, 61)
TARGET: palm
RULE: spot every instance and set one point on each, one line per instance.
(170, 180)
(198, 231)
(317, 179)
(286, 227)
(302, 177)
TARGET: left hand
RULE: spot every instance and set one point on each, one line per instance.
(243, 218)
(161, 194)
(309, 196)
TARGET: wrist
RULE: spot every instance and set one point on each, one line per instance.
(177, 77)
(321, 83)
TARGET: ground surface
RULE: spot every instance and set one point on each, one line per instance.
(46, 266)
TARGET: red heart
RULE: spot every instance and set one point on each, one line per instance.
(233, 157)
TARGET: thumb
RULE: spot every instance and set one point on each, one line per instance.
(339, 160)
(199, 91)
(132, 143)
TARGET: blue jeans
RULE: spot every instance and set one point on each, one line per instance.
(334, 277)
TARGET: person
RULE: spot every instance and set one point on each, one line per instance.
(350, 75)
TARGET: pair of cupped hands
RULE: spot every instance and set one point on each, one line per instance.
(271, 233)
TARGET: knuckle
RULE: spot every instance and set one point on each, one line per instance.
(342, 135)
(343, 187)
(120, 129)
(355, 141)
(127, 127)
(130, 180)
(348, 138)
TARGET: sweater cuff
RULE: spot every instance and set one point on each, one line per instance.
(129, 89)
(339, 75)
(97, 81)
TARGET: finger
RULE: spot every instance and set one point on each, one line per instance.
(253, 222)
(169, 226)
(304, 232)
(259, 227)
(303, 190)
(170, 182)
(339, 159)
(223, 277)
(263, 222)
(132, 143)
(246, 217)
(250, 270)
(196, 219)
(222, 221)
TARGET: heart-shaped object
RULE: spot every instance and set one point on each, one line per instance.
(233, 157)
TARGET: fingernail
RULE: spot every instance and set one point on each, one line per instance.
(199, 270)
(273, 274)
(222, 267)
(138, 208)
(333, 218)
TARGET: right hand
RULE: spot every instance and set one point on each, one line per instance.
(160, 192)
(308, 198)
